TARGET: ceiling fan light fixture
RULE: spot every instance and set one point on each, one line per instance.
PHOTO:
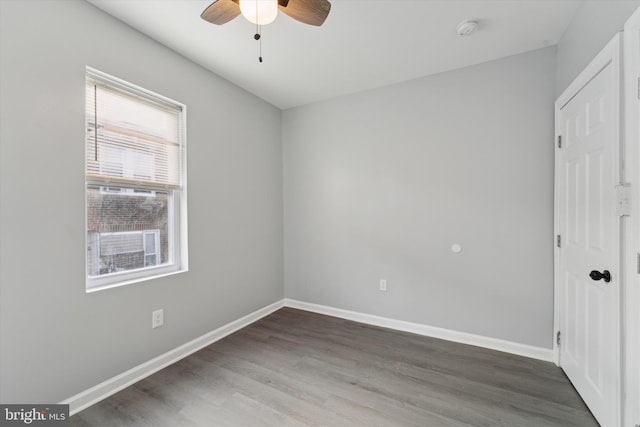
(259, 12)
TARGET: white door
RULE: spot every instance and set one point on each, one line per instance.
(587, 267)
(632, 223)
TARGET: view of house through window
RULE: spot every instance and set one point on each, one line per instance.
(134, 174)
(119, 244)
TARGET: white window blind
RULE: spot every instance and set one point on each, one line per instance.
(133, 139)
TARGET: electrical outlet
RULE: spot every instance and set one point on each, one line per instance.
(383, 285)
(157, 318)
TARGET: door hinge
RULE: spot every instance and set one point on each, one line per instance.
(558, 241)
(638, 263)
(623, 200)
(558, 338)
(559, 141)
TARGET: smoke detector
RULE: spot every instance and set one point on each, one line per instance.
(467, 27)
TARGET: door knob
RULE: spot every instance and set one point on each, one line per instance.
(596, 275)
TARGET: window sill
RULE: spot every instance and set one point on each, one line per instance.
(97, 288)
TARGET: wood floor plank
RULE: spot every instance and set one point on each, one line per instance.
(296, 368)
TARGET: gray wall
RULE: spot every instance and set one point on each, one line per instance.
(593, 25)
(58, 340)
(380, 185)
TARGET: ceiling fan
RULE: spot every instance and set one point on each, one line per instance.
(262, 12)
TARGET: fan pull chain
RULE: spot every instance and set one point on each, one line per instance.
(258, 36)
(260, 57)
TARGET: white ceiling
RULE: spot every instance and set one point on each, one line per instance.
(363, 44)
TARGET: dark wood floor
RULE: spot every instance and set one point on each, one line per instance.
(295, 368)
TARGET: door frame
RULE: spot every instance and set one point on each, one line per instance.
(610, 54)
(631, 291)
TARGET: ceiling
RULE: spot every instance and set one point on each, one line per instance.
(363, 44)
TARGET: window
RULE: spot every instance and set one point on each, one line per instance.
(135, 183)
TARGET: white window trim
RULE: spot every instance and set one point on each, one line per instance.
(178, 228)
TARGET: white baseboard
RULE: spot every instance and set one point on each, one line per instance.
(105, 389)
(113, 385)
(539, 353)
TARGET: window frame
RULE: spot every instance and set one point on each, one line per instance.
(176, 197)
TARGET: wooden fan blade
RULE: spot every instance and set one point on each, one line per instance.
(312, 12)
(220, 12)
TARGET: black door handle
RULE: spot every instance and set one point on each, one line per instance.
(596, 275)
